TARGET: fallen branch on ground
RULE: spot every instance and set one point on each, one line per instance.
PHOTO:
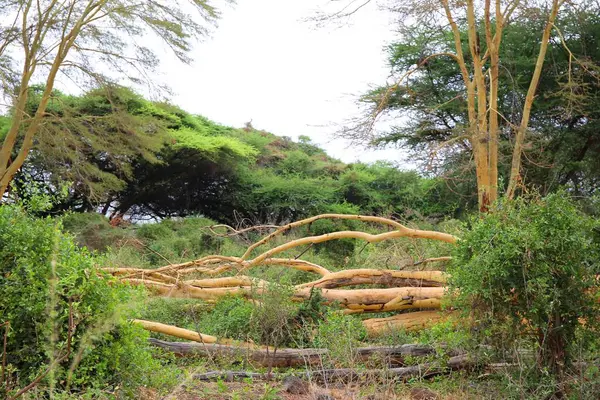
(402, 290)
(424, 371)
(390, 355)
(187, 334)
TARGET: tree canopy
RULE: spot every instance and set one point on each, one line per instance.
(123, 155)
(86, 42)
(562, 146)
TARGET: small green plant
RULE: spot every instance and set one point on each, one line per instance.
(271, 316)
(340, 335)
(222, 386)
(270, 392)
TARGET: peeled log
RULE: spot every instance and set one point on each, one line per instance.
(401, 230)
(388, 278)
(229, 281)
(406, 305)
(187, 291)
(145, 273)
(194, 336)
(374, 296)
(355, 296)
(175, 331)
(310, 240)
(409, 321)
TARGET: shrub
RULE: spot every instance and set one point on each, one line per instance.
(231, 318)
(341, 335)
(45, 278)
(274, 319)
(528, 273)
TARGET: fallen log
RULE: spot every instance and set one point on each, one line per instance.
(229, 281)
(400, 230)
(391, 355)
(374, 296)
(188, 334)
(342, 296)
(424, 371)
(405, 305)
(183, 290)
(388, 278)
(408, 321)
(370, 238)
(175, 331)
(203, 266)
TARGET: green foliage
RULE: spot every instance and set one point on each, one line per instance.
(42, 272)
(4, 126)
(212, 146)
(273, 320)
(230, 318)
(341, 335)
(100, 133)
(564, 114)
(177, 239)
(94, 231)
(296, 162)
(336, 250)
(125, 155)
(276, 198)
(381, 188)
(528, 272)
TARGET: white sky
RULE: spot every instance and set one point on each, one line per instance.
(264, 63)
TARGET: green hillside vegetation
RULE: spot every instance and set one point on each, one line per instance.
(127, 156)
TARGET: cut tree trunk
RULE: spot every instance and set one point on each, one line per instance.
(374, 296)
(400, 295)
(188, 334)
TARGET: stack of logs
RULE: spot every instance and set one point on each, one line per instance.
(397, 290)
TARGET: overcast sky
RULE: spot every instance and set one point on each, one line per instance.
(264, 63)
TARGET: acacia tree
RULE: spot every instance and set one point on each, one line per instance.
(95, 41)
(562, 142)
(478, 58)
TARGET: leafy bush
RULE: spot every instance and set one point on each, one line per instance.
(44, 279)
(274, 319)
(341, 335)
(528, 272)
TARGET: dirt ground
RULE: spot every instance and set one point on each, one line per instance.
(276, 390)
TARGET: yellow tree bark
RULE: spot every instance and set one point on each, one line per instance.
(515, 169)
(480, 76)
